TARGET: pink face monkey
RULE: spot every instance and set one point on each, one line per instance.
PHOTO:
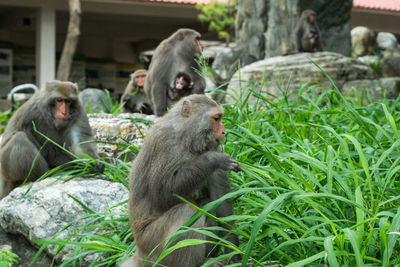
(182, 86)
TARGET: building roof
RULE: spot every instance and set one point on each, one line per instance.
(384, 5)
(181, 2)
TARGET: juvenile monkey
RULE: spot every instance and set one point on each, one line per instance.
(57, 113)
(181, 155)
(181, 87)
(134, 98)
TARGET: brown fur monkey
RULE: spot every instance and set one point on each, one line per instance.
(180, 155)
(307, 33)
(57, 113)
(175, 54)
(181, 87)
(134, 98)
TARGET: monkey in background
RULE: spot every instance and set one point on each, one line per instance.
(181, 87)
(134, 98)
(307, 33)
(57, 113)
(175, 54)
(180, 156)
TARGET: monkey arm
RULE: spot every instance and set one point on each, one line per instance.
(219, 186)
(319, 44)
(159, 99)
(81, 137)
(16, 167)
(298, 35)
(191, 174)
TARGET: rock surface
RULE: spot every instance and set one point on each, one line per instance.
(97, 99)
(266, 76)
(250, 26)
(391, 63)
(47, 208)
(386, 41)
(363, 41)
(374, 88)
(127, 129)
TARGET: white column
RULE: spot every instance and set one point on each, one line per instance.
(46, 44)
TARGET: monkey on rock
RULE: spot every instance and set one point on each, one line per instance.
(57, 113)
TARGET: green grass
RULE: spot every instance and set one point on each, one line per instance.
(319, 186)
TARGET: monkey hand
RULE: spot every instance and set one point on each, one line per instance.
(126, 98)
(223, 161)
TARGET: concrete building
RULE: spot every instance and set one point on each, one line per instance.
(113, 34)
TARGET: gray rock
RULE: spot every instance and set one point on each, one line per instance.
(47, 208)
(370, 60)
(226, 63)
(99, 102)
(119, 129)
(373, 88)
(386, 41)
(391, 63)
(363, 41)
(266, 76)
(250, 27)
(25, 251)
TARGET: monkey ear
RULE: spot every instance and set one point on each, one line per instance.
(51, 84)
(181, 36)
(187, 108)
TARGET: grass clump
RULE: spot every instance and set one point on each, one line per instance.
(319, 186)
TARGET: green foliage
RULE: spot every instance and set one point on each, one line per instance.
(319, 187)
(7, 257)
(220, 16)
(4, 118)
(113, 107)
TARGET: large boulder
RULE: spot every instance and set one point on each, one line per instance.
(250, 26)
(363, 41)
(48, 207)
(268, 75)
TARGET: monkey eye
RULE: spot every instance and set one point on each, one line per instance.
(59, 100)
(217, 117)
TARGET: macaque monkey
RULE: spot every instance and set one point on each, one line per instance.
(134, 97)
(57, 113)
(181, 87)
(180, 156)
(173, 55)
(307, 33)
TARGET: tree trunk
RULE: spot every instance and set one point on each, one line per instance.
(71, 40)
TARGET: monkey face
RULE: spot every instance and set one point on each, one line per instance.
(62, 109)
(218, 127)
(139, 80)
(180, 83)
(311, 18)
